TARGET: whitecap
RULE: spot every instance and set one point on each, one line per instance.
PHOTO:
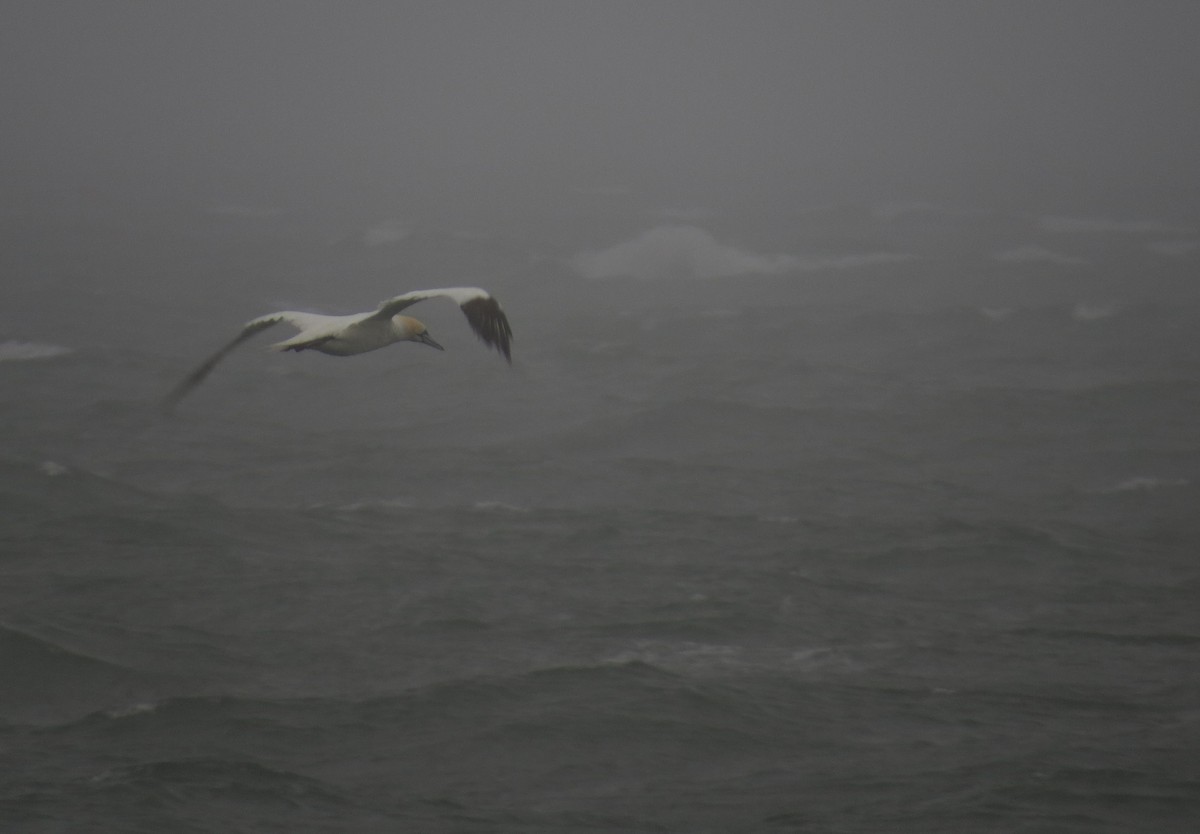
(683, 251)
(678, 251)
(723, 658)
(51, 469)
(13, 351)
(139, 708)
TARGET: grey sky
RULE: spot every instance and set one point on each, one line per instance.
(300, 101)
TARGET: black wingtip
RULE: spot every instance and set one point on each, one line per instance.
(490, 324)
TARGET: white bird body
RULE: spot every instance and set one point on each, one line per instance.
(345, 335)
(363, 332)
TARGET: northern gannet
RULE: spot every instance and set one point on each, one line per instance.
(362, 332)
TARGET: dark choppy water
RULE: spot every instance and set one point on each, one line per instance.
(745, 561)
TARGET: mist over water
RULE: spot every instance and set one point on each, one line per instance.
(844, 478)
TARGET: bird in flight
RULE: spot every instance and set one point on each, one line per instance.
(362, 332)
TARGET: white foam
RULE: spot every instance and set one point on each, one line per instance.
(51, 469)
(676, 251)
(681, 251)
(140, 708)
(719, 658)
(13, 351)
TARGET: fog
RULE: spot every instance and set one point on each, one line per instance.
(844, 476)
(495, 110)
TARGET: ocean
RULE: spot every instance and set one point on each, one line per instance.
(900, 535)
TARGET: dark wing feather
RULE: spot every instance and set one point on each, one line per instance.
(205, 368)
(490, 324)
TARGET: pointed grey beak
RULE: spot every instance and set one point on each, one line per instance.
(425, 338)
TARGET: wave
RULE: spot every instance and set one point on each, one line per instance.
(287, 720)
(52, 469)
(22, 649)
(50, 487)
(717, 432)
(377, 505)
(14, 351)
(677, 252)
(176, 713)
(628, 672)
(1129, 638)
(227, 780)
(513, 735)
(712, 660)
(44, 682)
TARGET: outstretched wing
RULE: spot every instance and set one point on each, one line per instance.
(206, 367)
(483, 313)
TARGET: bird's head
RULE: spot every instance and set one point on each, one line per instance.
(412, 330)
